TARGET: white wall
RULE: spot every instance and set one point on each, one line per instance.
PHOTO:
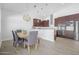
(0, 26)
(13, 20)
(71, 9)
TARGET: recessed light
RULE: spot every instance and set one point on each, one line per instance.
(41, 8)
(46, 4)
(35, 6)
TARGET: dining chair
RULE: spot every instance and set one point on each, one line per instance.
(16, 41)
(18, 30)
(32, 40)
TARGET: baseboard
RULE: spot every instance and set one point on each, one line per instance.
(4, 40)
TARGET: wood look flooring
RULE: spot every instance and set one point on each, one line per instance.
(62, 46)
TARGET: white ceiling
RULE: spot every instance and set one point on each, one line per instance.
(41, 10)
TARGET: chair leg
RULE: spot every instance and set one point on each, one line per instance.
(29, 49)
(36, 46)
(17, 45)
(13, 44)
(38, 41)
(24, 44)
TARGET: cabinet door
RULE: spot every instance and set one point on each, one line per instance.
(36, 22)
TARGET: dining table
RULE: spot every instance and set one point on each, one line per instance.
(22, 34)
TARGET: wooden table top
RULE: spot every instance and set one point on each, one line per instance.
(22, 34)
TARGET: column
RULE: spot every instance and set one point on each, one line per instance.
(76, 36)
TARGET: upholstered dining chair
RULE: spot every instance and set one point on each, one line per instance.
(18, 30)
(32, 40)
(16, 41)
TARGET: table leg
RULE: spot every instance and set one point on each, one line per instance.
(24, 44)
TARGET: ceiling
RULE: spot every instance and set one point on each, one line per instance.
(41, 10)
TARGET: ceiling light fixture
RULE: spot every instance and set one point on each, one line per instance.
(26, 17)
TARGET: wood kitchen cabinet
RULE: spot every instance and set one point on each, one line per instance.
(40, 23)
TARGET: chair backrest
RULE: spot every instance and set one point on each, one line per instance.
(14, 35)
(32, 38)
(19, 30)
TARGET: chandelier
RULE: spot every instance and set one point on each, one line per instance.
(26, 18)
